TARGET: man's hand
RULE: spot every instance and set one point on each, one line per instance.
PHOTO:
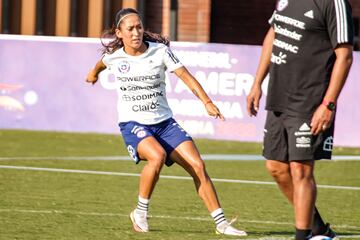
(253, 100)
(321, 120)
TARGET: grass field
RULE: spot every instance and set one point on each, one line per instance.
(44, 195)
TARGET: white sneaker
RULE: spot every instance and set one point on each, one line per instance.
(226, 229)
(139, 221)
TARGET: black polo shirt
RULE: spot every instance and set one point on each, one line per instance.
(306, 34)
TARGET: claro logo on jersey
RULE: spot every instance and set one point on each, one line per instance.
(124, 67)
(281, 59)
(145, 107)
(139, 78)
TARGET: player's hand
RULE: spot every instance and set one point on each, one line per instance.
(92, 77)
(321, 120)
(214, 111)
(253, 100)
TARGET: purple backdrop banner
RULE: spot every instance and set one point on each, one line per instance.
(42, 87)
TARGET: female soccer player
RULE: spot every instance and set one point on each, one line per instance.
(139, 60)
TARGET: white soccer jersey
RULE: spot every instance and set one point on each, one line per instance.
(140, 83)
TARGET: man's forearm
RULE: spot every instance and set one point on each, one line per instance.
(339, 73)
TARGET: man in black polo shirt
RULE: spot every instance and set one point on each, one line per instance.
(308, 53)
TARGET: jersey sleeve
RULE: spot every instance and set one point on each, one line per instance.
(105, 59)
(171, 61)
(339, 21)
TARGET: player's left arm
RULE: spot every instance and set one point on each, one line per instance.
(198, 91)
(323, 117)
(93, 74)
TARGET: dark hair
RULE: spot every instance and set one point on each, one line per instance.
(113, 45)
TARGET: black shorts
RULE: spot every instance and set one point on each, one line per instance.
(288, 138)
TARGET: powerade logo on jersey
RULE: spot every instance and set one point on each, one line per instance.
(124, 67)
(142, 97)
(139, 78)
(145, 108)
(281, 5)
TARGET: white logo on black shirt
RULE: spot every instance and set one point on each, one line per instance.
(282, 4)
(278, 59)
(309, 14)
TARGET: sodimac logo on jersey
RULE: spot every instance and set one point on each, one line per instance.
(142, 97)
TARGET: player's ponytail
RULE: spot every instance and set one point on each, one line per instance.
(155, 37)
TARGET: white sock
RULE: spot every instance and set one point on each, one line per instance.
(142, 206)
(218, 216)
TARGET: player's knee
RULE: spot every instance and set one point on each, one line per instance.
(157, 160)
(199, 169)
(199, 166)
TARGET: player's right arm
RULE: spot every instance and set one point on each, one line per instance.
(263, 68)
(93, 74)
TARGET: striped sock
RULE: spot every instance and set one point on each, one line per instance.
(143, 205)
(218, 216)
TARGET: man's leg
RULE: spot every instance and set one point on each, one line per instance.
(304, 196)
(280, 171)
(296, 182)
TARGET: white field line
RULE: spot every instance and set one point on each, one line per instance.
(207, 157)
(208, 219)
(161, 176)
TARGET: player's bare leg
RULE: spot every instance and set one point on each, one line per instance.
(187, 156)
(150, 150)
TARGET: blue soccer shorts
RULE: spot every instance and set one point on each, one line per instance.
(168, 133)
